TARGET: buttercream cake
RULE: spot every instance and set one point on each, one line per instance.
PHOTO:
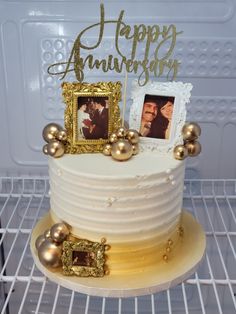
(135, 205)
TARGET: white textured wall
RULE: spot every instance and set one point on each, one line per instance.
(35, 34)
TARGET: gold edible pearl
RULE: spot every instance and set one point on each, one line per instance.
(194, 148)
(122, 150)
(50, 131)
(59, 232)
(135, 149)
(121, 133)
(61, 136)
(56, 149)
(191, 131)
(132, 136)
(165, 257)
(170, 242)
(49, 254)
(180, 152)
(113, 138)
(168, 249)
(107, 150)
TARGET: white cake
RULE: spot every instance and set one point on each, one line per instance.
(136, 205)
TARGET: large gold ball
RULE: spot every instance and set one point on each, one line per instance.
(59, 232)
(40, 239)
(194, 148)
(180, 152)
(49, 254)
(50, 131)
(56, 149)
(191, 131)
(61, 136)
(45, 149)
(113, 138)
(121, 133)
(132, 136)
(107, 150)
(135, 149)
(122, 150)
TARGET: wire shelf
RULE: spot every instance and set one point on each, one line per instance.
(23, 289)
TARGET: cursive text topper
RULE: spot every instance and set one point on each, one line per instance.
(158, 38)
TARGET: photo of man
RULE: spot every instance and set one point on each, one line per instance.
(157, 116)
(92, 118)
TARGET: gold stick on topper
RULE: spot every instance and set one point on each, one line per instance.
(124, 98)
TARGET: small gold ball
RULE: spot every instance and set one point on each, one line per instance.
(168, 249)
(59, 232)
(122, 150)
(135, 149)
(180, 152)
(47, 234)
(132, 136)
(191, 131)
(61, 136)
(193, 148)
(50, 131)
(107, 150)
(40, 239)
(113, 138)
(56, 149)
(49, 254)
(165, 257)
(121, 133)
(170, 242)
(45, 149)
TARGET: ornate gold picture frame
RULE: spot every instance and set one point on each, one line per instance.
(91, 115)
(84, 258)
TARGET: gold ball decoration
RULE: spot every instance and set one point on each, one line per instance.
(50, 131)
(40, 239)
(121, 133)
(107, 150)
(113, 138)
(61, 136)
(59, 232)
(194, 148)
(132, 136)
(47, 234)
(56, 149)
(121, 150)
(45, 149)
(135, 149)
(191, 131)
(180, 152)
(49, 254)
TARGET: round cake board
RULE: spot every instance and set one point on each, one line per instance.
(161, 276)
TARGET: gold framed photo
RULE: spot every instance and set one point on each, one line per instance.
(91, 115)
(83, 258)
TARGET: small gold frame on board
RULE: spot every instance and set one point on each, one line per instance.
(92, 113)
(84, 258)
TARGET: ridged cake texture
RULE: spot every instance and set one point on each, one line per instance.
(136, 205)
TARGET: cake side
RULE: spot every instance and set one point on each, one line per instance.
(135, 205)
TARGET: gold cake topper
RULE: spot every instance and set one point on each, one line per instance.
(162, 62)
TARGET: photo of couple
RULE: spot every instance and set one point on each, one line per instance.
(92, 118)
(157, 116)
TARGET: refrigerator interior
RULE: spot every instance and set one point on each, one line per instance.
(35, 34)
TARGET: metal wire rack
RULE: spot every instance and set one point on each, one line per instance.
(23, 289)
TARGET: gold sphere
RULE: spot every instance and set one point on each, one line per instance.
(49, 254)
(135, 149)
(59, 232)
(194, 148)
(107, 150)
(191, 131)
(180, 152)
(121, 150)
(61, 136)
(113, 138)
(50, 131)
(47, 234)
(56, 149)
(121, 133)
(40, 239)
(45, 149)
(132, 136)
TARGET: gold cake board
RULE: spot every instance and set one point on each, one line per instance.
(162, 276)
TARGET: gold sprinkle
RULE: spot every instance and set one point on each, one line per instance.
(165, 257)
(168, 249)
(170, 242)
(103, 240)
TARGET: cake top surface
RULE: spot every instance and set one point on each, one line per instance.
(92, 165)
